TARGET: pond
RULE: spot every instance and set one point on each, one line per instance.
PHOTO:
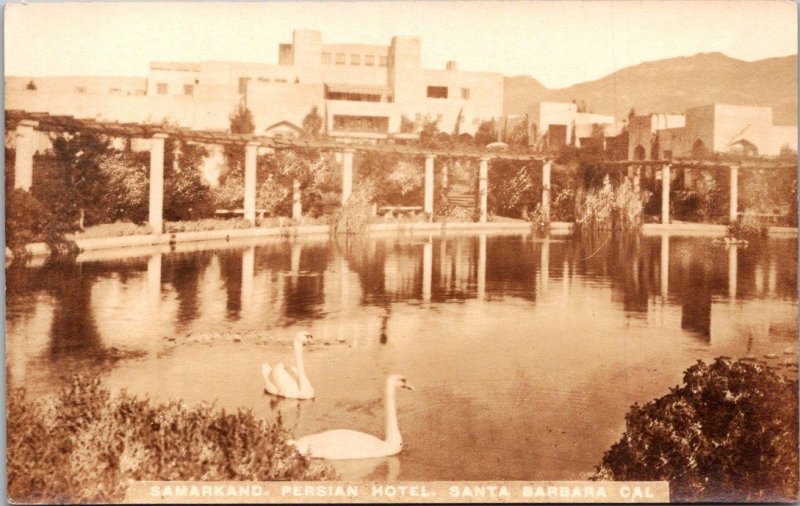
(525, 353)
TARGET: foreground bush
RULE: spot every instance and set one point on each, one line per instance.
(85, 445)
(729, 434)
(27, 220)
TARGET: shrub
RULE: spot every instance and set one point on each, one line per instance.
(394, 181)
(355, 215)
(728, 434)
(610, 208)
(71, 183)
(207, 224)
(514, 188)
(127, 193)
(186, 194)
(116, 229)
(26, 220)
(706, 202)
(85, 445)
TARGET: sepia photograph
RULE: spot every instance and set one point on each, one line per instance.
(401, 251)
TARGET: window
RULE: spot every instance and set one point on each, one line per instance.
(188, 89)
(243, 85)
(161, 88)
(339, 58)
(369, 60)
(437, 91)
(326, 58)
(368, 124)
(353, 96)
(280, 80)
(355, 59)
(382, 61)
(465, 93)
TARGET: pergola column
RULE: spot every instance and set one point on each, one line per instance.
(24, 150)
(347, 174)
(483, 189)
(734, 198)
(546, 188)
(250, 160)
(664, 266)
(156, 203)
(665, 180)
(297, 204)
(429, 159)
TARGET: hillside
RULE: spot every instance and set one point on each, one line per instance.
(674, 84)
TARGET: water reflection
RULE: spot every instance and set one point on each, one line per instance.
(533, 348)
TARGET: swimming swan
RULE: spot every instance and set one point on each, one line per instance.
(279, 382)
(349, 444)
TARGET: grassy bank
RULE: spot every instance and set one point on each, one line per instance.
(84, 445)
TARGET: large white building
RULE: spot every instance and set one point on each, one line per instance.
(555, 124)
(361, 91)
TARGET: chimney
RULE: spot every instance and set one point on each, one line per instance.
(452, 66)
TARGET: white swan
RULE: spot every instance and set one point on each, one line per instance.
(349, 444)
(279, 382)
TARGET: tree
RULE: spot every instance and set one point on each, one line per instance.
(519, 133)
(127, 194)
(241, 122)
(486, 133)
(457, 127)
(573, 138)
(71, 183)
(186, 194)
(427, 136)
(312, 123)
(31, 85)
(406, 125)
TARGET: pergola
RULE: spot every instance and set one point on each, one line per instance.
(667, 165)
(25, 124)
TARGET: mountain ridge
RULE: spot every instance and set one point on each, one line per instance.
(673, 85)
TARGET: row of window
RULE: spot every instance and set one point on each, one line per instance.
(355, 59)
(442, 92)
(370, 124)
(163, 89)
(433, 91)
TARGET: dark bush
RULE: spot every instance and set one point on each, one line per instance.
(26, 220)
(514, 188)
(728, 434)
(86, 444)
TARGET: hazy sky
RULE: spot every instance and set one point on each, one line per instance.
(559, 43)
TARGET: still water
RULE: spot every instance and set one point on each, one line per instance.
(525, 353)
